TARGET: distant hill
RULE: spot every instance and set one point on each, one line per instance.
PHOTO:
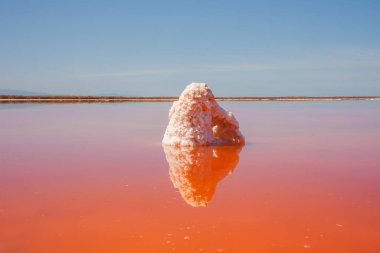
(20, 92)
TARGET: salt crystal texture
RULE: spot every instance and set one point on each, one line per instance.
(197, 119)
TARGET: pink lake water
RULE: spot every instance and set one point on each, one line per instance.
(95, 178)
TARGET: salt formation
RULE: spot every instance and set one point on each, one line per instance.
(197, 119)
(196, 170)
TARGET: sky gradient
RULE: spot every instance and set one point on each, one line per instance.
(241, 48)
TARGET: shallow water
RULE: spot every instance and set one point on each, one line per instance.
(95, 178)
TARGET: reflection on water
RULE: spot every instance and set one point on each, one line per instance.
(196, 171)
(86, 178)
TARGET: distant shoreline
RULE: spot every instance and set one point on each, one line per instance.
(10, 99)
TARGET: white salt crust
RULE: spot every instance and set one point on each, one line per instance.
(197, 119)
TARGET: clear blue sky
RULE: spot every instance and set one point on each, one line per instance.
(157, 47)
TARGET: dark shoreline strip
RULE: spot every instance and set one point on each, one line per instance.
(10, 99)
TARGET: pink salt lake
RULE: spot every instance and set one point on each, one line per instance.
(95, 178)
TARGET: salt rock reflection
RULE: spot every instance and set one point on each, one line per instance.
(196, 170)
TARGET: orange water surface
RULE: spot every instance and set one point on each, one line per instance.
(95, 178)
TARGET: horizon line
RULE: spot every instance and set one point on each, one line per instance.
(4, 99)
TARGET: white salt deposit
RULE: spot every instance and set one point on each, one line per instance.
(197, 119)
